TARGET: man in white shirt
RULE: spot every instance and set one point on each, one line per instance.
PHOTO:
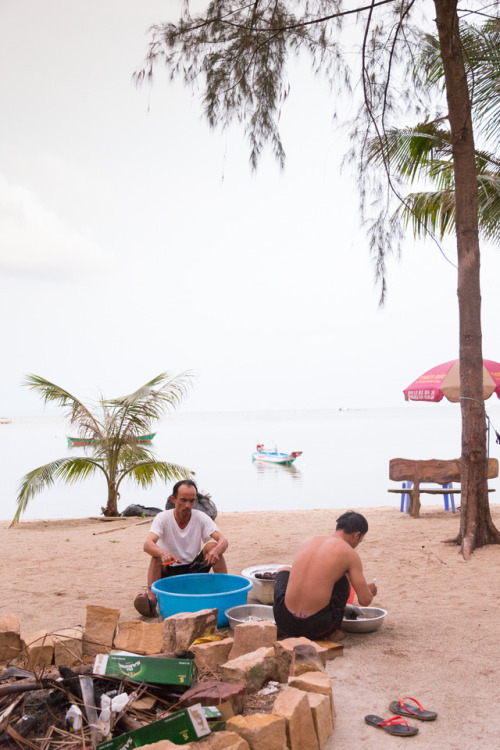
(182, 540)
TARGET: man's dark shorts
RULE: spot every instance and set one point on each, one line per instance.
(319, 625)
(197, 566)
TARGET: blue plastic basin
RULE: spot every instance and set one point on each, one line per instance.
(195, 591)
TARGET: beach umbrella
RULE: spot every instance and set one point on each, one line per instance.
(444, 380)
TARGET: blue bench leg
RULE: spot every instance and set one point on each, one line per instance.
(405, 497)
(449, 498)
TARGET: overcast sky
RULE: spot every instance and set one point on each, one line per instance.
(134, 240)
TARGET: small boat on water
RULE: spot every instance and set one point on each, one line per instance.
(274, 457)
(75, 442)
(5, 420)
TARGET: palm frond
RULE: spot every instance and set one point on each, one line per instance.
(75, 411)
(135, 413)
(147, 472)
(44, 476)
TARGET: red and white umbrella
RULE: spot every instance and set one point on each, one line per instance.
(444, 380)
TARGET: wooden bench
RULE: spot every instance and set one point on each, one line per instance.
(433, 470)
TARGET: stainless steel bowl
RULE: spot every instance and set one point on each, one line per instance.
(373, 620)
(247, 613)
(263, 590)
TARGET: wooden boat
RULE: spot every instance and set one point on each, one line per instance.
(5, 420)
(274, 457)
(75, 442)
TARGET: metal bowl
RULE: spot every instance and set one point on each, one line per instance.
(374, 619)
(247, 613)
(263, 590)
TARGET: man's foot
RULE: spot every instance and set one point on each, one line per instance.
(145, 606)
(337, 635)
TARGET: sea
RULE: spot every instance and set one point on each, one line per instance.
(344, 464)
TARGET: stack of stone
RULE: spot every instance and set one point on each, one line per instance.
(303, 714)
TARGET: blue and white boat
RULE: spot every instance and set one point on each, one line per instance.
(274, 456)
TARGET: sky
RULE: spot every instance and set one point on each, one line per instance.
(135, 240)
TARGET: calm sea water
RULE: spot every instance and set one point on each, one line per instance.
(345, 459)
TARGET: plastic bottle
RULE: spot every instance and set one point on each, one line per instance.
(73, 718)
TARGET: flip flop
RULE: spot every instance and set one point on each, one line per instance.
(395, 725)
(145, 606)
(417, 711)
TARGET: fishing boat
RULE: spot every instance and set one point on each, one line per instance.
(274, 456)
(75, 442)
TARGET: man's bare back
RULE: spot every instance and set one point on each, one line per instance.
(320, 562)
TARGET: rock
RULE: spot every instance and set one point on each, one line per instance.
(179, 631)
(99, 630)
(139, 637)
(38, 649)
(297, 651)
(332, 649)
(253, 669)
(314, 682)
(215, 693)
(322, 717)
(68, 646)
(211, 655)
(215, 741)
(292, 704)
(261, 731)
(249, 636)
(10, 639)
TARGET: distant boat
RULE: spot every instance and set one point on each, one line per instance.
(5, 420)
(274, 457)
(75, 442)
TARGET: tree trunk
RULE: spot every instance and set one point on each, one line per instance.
(476, 525)
(111, 508)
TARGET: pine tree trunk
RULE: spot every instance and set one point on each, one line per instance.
(476, 525)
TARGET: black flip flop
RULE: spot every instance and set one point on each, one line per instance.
(396, 725)
(417, 711)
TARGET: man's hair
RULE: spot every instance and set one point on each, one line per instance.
(187, 482)
(350, 522)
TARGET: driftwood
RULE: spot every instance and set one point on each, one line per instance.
(432, 470)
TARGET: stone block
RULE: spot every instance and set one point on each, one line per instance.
(261, 731)
(139, 637)
(249, 636)
(215, 693)
(322, 717)
(292, 704)
(10, 638)
(211, 655)
(216, 741)
(294, 651)
(253, 670)
(179, 631)
(99, 630)
(332, 649)
(314, 682)
(222, 741)
(68, 646)
(38, 649)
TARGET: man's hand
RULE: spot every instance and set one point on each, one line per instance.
(212, 556)
(167, 557)
(373, 588)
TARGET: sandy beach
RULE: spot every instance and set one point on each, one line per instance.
(440, 642)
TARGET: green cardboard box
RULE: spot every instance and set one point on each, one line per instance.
(147, 669)
(181, 727)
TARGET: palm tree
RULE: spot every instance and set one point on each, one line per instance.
(114, 427)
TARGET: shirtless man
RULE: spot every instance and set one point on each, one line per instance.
(181, 540)
(310, 597)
